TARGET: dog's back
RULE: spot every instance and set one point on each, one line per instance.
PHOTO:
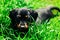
(46, 13)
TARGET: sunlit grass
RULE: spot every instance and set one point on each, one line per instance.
(46, 31)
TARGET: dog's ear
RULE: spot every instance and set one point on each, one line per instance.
(12, 14)
(34, 14)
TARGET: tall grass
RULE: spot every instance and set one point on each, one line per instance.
(46, 31)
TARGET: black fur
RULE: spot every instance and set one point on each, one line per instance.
(20, 22)
(45, 14)
(22, 17)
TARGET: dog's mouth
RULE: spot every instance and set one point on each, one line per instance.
(22, 26)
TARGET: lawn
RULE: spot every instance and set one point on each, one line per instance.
(46, 31)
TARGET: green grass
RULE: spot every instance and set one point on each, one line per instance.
(46, 31)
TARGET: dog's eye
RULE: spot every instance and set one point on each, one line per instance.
(26, 16)
(18, 15)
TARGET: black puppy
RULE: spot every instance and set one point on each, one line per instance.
(22, 17)
(45, 13)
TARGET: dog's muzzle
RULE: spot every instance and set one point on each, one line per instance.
(22, 25)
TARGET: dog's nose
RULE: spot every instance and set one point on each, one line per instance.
(23, 24)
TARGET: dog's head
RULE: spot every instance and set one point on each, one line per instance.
(21, 18)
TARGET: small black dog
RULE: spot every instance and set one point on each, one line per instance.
(22, 17)
(45, 14)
